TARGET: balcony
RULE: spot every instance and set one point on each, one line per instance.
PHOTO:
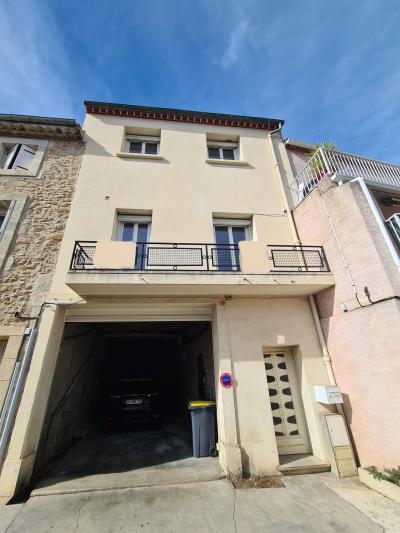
(251, 268)
(196, 257)
(345, 167)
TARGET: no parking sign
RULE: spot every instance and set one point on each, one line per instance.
(226, 380)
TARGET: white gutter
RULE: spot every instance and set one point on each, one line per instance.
(278, 173)
(379, 221)
(326, 358)
(14, 392)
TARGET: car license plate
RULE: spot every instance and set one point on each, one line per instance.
(133, 402)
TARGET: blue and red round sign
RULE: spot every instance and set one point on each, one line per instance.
(226, 380)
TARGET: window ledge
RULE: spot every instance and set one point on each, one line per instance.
(15, 172)
(235, 162)
(139, 156)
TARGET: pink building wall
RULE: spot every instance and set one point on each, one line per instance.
(364, 342)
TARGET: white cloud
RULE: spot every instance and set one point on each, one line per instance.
(230, 31)
(236, 43)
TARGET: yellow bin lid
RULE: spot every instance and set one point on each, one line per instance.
(193, 404)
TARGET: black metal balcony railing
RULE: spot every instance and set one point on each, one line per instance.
(167, 256)
(195, 257)
(298, 258)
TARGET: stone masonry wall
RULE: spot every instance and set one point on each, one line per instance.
(29, 267)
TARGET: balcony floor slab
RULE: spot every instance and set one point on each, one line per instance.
(164, 284)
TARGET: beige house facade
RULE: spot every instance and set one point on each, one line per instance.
(351, 206)
(180, 259)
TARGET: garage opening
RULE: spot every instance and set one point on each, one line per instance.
(119, 398)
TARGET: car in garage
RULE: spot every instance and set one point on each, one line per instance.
(132, 400)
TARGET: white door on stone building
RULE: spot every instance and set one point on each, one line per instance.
(287, 409)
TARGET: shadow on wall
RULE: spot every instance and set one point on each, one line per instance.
(94, 148)
(348, 412)
(325, 301)
(245, 463)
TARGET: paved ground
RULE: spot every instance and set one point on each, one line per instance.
(127, 448)
(317, 503)
(129, 458)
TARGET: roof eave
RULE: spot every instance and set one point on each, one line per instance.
(40, 127)
(181, 115)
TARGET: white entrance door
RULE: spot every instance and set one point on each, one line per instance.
(287, 410)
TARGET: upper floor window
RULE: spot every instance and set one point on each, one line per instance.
(17, 156)
(222, 150)
(143, 145)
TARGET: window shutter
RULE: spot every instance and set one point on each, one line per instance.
(24, 158)
(9, 156)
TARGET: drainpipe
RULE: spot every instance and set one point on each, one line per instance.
(279, 175)
(14, 392)
(326, 355)
(379, 221)
(328, 365)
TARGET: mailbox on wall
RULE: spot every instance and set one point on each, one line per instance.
(328, 394)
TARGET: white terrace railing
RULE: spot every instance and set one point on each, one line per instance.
(346, 166)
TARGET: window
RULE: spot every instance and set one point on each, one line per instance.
(143, 145)
(228, 233)
(6, 207)
(18, 156)
(136, 229)
(222, 150)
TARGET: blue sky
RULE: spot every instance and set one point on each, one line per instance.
(331, 70)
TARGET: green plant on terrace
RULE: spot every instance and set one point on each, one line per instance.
(318, 163)
(392, 475)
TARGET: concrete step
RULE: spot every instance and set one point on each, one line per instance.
(292, 465)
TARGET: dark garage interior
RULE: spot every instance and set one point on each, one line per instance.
(119, 397)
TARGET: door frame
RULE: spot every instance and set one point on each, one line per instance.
(288, 445)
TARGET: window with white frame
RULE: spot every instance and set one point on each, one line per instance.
(228, 233)
(135, 228)
(143, 145)
(17, 156)
(222, 150)
(6, 207)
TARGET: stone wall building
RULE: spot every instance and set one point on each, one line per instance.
(39, 163)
